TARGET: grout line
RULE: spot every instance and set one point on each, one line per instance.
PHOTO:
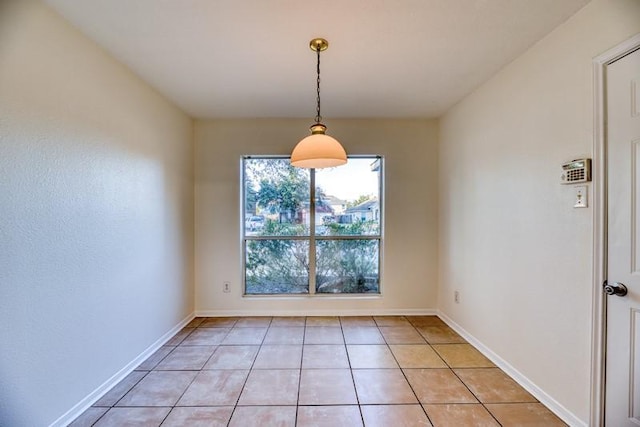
(407, 379)
(244, 384)
(195, 376)
(353, 380)
(304, 336)
(474, 395)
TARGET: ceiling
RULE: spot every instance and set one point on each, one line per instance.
(251, 58)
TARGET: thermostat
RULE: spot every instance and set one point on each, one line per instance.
(576, 171)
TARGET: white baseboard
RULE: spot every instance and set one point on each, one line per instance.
(324, 312)
(562, 412)
(93, 397)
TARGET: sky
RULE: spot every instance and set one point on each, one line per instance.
(350, 181)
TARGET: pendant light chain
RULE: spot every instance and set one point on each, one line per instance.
(318, 116)
(318, 150)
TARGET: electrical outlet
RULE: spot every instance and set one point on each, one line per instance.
(226, 287)
(456, 297)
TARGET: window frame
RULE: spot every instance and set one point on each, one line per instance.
(312, 237)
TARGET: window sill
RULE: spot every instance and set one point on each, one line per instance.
(313, 296)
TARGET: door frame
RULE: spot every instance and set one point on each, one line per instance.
(599, 302)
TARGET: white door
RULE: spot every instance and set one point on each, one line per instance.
(623, 261)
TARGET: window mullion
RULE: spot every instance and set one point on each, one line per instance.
(312, 232)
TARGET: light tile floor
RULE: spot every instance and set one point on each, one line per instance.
(318, 371)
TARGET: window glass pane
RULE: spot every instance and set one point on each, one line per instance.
(276, 198)
(348, 198)
(277, 266)
(347, 266)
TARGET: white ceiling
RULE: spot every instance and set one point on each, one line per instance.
(250, 58)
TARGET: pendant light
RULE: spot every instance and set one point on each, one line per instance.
(318, 150)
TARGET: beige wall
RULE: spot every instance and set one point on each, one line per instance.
(511, 242)
(96, 216)
(410, 245)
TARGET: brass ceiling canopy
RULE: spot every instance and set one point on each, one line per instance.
(318, 44)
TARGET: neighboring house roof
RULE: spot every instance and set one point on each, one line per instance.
(365, 206)
(333, 200)
(323, 208)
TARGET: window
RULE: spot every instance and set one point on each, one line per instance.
(311, 231)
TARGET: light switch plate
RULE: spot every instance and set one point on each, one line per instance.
(581, 196)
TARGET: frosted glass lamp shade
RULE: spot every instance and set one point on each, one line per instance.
(318, 151)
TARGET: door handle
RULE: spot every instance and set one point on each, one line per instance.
(615, 288)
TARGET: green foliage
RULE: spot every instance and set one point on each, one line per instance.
(357, 228)
(279, 264)
(250, 202)
(282, 188)
(347, 262)
(275, 228)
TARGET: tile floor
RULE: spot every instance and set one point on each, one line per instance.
(317, 371)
